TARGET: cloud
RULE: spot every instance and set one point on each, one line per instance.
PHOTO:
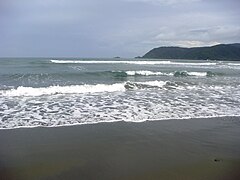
(108, 28)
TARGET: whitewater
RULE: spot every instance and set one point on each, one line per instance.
(61, 92)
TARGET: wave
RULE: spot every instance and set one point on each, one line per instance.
(199, 74)
(54, 76)
(73, 78)
(145, 85)
(136, 102)
(176, 73)
(165, 85)
(228, 63)
(152, 73)
(145, 73)
(98, 88)
(52, 90)
(129, 62)
(107, 62)
(233, 64)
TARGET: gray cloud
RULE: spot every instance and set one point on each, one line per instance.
(110, 28)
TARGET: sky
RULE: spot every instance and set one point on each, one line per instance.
(109, 28)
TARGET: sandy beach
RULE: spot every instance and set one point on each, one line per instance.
(172, 149)
(120, 90)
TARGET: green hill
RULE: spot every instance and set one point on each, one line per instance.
(217, 52)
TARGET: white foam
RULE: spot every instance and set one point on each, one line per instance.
(152, 73)
(197, 73)
(155, 83)
(234, 64)
(144, 73)
(74, 89)
(132, 106)
(107, 62)
(129, 62)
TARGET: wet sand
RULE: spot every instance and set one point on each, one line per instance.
(172, 149)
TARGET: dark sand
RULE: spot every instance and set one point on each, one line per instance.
(173, 149)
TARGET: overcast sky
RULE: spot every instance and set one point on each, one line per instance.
(108, 28)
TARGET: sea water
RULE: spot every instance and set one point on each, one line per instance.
(67, 91)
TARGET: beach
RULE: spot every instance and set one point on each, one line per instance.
(203, 148)
(120, 90)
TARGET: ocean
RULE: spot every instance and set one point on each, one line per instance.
(68, 91)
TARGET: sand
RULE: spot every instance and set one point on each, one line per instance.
(173, 149)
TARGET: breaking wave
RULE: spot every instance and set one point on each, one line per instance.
(52, 90)
(199, 74)
(129, 62)
(176, 73)
(40, 92)
(98, 88)
(149, 73)
(146, 73)
(169, 100)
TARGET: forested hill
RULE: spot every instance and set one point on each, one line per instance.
(217, 52)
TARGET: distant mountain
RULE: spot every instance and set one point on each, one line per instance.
(217, 52)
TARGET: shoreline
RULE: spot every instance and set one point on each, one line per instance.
(117, 121)
(202, 148)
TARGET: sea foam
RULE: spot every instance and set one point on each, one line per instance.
(129, 62)
(74, 89)
(81, 89)
(137, 105)
(152, 73)
(145, 73)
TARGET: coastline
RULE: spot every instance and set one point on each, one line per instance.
(117, 121)
(203, 148)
